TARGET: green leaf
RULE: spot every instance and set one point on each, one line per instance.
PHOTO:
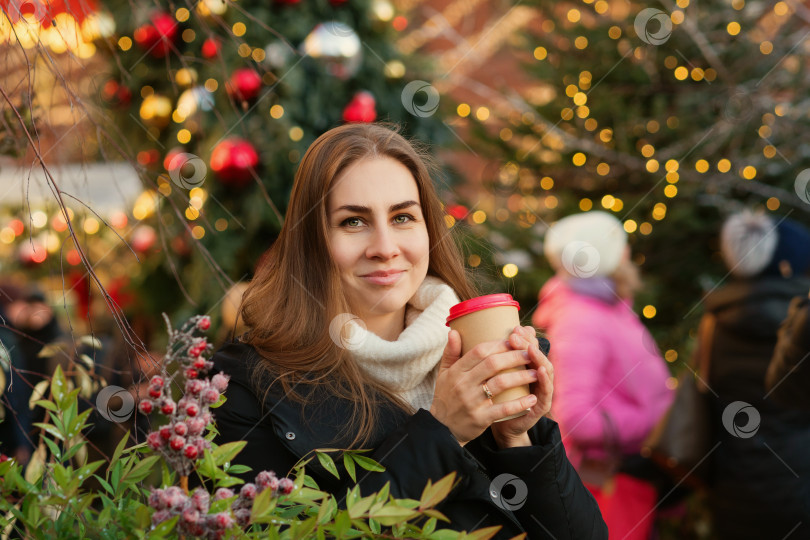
(375, 526)
(348, 463)
(106, 485)
(430, 526)
(391, 514)
(58, 385)
(328, 510)
(484, 534)
(444, 534)
(51, 430)
(360, 506)
(141, 469)
(45, 404)
(163, 529)
(432, 512)
(367, 463)
(328, 463)
(226, 452)
(433, 494)
(55, 450)
(119, 449)
(238, 469)
(263, 505)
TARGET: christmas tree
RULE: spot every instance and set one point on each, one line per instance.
(219, 100)
(670, 117)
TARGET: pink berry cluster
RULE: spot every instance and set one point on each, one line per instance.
(242, 505)
(193, 509)
(181, 440)
(194, 518)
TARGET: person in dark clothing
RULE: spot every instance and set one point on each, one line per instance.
(760, 474)
(346, 346)
(788, 377)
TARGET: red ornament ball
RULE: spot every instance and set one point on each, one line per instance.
(244, 84)
(361, 108)
(233, 160)
(210, 48)
(157, 36)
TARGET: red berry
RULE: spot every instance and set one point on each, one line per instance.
(157, 380)
(181, 428)
(222, 493)
(154, 392)
(199, 362)
(286, 485)
(177, 442)
(153, 440)
(167, 408)
(223, 520)
(192, 409)
(204, 323)
(248, 491)
(196, 426)
(3, 458)
(194, 387)
(190, 451)
(191, 373)
(210, 396)
(165, 432)
(145, 406)
(220, 382)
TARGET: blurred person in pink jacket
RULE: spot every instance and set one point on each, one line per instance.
(610, 379)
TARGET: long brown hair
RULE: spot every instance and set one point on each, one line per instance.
(297, 291)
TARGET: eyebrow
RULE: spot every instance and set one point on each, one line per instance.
(366, 210)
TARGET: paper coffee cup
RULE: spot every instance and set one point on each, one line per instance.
(489, 318)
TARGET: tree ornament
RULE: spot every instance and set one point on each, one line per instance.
(361, 108)
(115, 94)
(156, 111)
(277, 54)
(143, 238)
(157, 36)
(337, 47)
(210, 48)
(234, 160)
(244, 84)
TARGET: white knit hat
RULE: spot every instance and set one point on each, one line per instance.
(747, 242)
(586, 245)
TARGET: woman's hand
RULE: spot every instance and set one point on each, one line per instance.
(510, 433)
(459, 399)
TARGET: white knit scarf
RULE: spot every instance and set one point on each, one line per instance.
(409, 365)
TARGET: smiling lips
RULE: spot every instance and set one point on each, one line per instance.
(388, 277)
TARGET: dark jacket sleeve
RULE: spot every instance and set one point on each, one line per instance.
(557, 504)
(788, 378)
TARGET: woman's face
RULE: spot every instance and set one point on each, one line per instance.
(377, 236)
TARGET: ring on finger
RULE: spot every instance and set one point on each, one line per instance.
(486, 390)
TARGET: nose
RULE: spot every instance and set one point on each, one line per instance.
(382, 244)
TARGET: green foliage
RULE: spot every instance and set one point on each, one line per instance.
(52, 498)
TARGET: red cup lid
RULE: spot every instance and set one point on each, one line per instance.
(481, 302)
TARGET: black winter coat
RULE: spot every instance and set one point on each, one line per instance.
(413, 448)
(760, 483)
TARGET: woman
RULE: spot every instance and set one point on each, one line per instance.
(364, 241)
(610, 386)
(760, 470)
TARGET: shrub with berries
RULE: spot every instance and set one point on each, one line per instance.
(52, 499)
(182, 444)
